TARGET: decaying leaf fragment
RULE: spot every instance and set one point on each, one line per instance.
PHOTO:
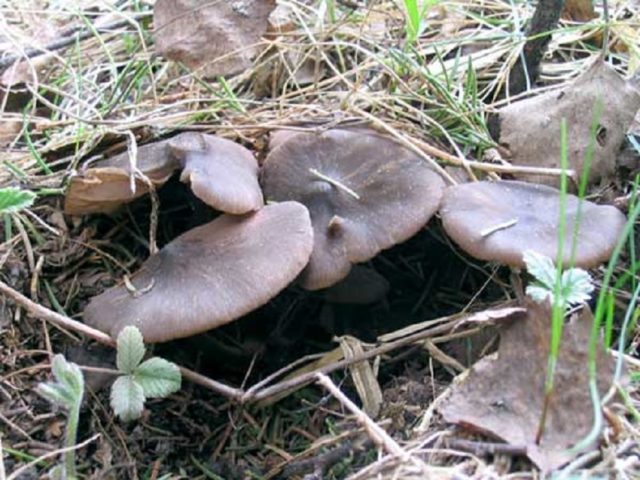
(106, 186)
(503, 396)
(217, 37)
(530, 129)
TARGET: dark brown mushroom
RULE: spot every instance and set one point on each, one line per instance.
(365, 193)
(210, 275)
(361, 287)
(107, 185)
(221, 173)
(499, 221)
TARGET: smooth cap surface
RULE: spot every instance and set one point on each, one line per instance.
(499, 221)
(210, 275)
(365, 193)
(223, 174)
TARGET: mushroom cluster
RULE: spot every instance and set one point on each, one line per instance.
(334, 199)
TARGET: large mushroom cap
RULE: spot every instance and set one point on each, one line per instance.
(222, 173)
(499, 221)
(210, 275)
(105, 186)
(365, 193)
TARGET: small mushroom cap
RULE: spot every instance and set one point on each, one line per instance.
(365, 193)
(499, 221)
(106, 185)
(210, 275)
(222, 173)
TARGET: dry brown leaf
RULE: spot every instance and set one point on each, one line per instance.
(106, 186)
(503, 396)
(9, 130)
(579, 10)
(530, 129)
(217, 37)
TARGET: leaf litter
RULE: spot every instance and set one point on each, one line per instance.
(528, 129)
(503, 394)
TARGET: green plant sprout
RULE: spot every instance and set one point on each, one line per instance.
(153, 378)
(137, 381)
(67, 392)
(576, 285)
(415, 14)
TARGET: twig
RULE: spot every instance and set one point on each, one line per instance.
(55, 318)
(335, 183)
(73, 36)
(376, 433)
(485, 448)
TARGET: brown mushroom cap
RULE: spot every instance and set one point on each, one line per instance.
(365, 193)
(106, 186)
(499, 221)
(210, 275)
(222, 173)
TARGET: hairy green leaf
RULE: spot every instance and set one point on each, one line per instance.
(127, 398)
(541, 268)
(130, 349)
(68, 388)
(14, 199)
(158, 377)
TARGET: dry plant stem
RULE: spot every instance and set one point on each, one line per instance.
(44, 313)
(377, 433)
(485, 448)
(69, 38)
(545, 19)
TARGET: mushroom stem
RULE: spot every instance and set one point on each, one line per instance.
(500, 226)
(335, 183)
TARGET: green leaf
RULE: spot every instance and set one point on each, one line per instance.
(130, 349)
(577, 286)
(68, 389)
(158, 377)
(14, 199)
(541, 268)
(127, 398)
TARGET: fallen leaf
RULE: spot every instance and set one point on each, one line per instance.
(503, 396)
(530, 129)
(579, 11)
(219, 38)
(107, 185)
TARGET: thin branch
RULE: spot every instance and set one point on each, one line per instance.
(55, 318)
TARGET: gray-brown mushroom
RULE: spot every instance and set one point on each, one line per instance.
(210, 275)
(223, 174)
(499, 221)
(365, 193)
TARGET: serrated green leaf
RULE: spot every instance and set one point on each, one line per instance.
(130, 349)
(158, 377)
(577, 286)
(127, 398)
(14, 199)
(541, 268)
(538, 293)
